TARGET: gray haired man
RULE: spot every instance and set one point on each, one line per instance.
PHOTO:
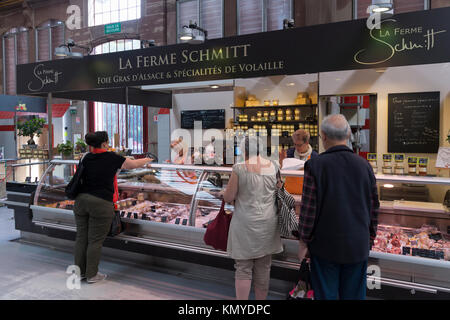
(338, 216)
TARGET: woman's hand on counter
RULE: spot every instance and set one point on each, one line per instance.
(133, 164)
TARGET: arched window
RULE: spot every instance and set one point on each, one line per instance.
(110, 11)
(49, 35)
(126, 121)
(15, 51)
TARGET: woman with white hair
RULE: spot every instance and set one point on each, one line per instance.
(254, 234)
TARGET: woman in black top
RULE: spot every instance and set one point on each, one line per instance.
(94, 206)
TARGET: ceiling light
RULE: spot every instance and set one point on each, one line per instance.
(188, 34)
(214, 86)
(61, 51)
(288, 24)
(290, 84)
(380, 6)
(388, 185)
(65, 50)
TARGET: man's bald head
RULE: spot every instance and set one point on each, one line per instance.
(336, 127)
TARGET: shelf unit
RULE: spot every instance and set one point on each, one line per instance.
(357, 107)
(277, 107)
(283, 139)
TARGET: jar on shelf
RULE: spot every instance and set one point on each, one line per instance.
(399, 164)
(400, 170)
(387, 169)
(387, 159)
(273, 115)
(280, 114)
(412, 166)
(423, 164)
(266, 103)
(372, 158)
(275, 102)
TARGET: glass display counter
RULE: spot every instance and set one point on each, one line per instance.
(171, 205)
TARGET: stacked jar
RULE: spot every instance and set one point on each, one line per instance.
(423, 163)
(372, 158)
(387, 163)
(412, 166)
(399, 164)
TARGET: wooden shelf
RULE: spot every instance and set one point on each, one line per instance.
(276, 107)
(275, 122)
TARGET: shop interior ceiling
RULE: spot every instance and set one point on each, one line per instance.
(136, 96)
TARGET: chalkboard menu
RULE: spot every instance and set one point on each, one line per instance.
(211, 119)
(413, 122)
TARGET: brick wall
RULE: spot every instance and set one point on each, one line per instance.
(439, 4)
(158, 20)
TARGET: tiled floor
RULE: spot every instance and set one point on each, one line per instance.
(37, 272)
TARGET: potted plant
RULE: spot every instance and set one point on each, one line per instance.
(66, 150)
(80, 146)
(30, 128)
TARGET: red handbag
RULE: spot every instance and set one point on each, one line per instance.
(216, 234)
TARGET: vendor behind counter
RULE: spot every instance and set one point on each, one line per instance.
(302, 150)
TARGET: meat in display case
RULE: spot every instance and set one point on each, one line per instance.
(171, 205)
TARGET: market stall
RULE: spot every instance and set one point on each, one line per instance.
(167, 208)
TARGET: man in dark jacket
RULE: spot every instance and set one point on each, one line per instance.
(338, 217)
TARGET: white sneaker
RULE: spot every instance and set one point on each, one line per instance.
(98, 277)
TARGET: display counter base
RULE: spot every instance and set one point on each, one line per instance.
(159, 264)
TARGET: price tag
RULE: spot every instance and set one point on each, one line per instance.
(372, 156)
(387, 157)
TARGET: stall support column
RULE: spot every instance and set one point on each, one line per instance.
(50, 126)
(126, 117)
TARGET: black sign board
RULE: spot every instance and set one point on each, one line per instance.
(211, 119)
(23, 104)
(413, 122)
(405, 39)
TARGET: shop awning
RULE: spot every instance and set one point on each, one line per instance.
(136, 96)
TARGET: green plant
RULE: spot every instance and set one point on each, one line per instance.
(66, 149)
(30, 128)
(80, 146)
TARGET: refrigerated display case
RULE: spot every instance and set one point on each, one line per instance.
(169, 207)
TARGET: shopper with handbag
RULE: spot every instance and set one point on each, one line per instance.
(254, 234)
(94, 205)
(338, 216)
